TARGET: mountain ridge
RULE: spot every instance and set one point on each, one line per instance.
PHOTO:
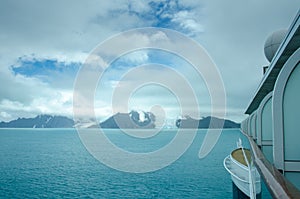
(40, 121)
(206, 122)
(133, 119)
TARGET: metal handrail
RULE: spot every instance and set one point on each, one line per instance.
(251, 184)
(277, 184)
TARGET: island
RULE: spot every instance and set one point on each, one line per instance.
(40, 121)
(206, 122)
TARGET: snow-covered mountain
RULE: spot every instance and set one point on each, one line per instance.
(132, 120)
(40, 121)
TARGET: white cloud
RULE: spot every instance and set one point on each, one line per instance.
(64, 32)
(140, 89)
(139, 6)
(136, 57)
(20, 88)
(55, 102)
(233, 32)
(188, 21)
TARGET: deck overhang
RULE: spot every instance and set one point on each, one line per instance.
(289, 45)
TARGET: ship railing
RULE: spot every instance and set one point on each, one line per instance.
(252, 183)
(277, 184)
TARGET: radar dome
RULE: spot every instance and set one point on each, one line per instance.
(273, 42)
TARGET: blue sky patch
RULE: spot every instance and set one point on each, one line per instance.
(58, 74)
(34, 67)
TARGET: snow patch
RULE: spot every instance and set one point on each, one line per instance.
(48, 119)
(142, 117)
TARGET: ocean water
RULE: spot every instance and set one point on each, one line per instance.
(53, 163)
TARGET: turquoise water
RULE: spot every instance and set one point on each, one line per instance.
(55, 164)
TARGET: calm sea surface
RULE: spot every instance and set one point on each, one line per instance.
(53, 163)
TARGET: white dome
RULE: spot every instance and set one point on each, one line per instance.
(273, 42)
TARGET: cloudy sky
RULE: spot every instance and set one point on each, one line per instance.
(45, 43)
